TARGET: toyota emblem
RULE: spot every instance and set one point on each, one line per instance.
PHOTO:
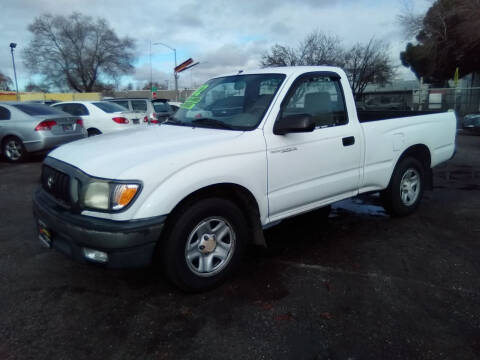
(50, 182)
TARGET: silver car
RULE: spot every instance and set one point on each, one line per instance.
(28, 128)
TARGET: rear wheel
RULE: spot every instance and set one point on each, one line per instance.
(203, 244)
(93, 132)
(403, 195)
(14, 150)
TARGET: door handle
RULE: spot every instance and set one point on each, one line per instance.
(348, 141)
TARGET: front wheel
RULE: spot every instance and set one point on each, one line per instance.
(405, 191)
(203, 244)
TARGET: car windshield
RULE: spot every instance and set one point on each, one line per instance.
(234, 102)
(161, 107)
(37, 109)
(109, 107)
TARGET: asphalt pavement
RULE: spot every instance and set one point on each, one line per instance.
(358, 285)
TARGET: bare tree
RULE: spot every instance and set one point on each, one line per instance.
(5, 82)
(32, 87)
(316, 49)
(410, 22)
(367, 64)
(76, 51)
(364, 64)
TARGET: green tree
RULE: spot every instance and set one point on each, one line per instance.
(77, 52)
(449, 37)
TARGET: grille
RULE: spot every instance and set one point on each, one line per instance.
(56, 183)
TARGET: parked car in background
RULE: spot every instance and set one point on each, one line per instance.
(156, 111)
(27, 128)
(175, 105)
(101, 116)
(471, 123)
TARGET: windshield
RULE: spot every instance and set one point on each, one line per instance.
(233, 102)
(109, 107)
(37, 109)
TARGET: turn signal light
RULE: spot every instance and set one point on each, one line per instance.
(45, 125)
(122, 195)
(120, 120)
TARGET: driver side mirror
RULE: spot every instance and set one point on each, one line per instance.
(297, 123)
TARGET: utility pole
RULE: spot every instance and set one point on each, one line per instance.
(13, 46)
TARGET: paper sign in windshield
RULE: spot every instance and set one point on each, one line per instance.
(194, 99)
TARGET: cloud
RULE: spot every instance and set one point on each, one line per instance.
(223, 35)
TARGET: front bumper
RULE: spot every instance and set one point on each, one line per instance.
(127, 243)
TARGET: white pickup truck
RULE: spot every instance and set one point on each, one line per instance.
(242, 153)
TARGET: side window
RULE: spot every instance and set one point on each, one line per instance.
(79, 110)
(4, 113)
(64, 107)
(139, 105)
(123, 103)
(319, 96)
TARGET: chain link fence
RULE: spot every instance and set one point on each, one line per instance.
(463, 100)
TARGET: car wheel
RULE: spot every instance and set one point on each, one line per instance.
(203, 244)
(14, 150)
(93, 132)
(405, 191)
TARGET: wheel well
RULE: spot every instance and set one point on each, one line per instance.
(241, 196)
(422, 154)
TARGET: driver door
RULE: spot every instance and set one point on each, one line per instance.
(308, 170)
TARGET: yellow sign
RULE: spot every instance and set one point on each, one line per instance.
(455, 78)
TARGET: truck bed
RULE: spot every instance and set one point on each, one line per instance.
(375, 115)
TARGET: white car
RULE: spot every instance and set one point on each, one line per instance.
(101, 117)
(244, 152)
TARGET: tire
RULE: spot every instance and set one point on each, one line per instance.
(93, 132)
(204, 243)
(13, 150)
(405, 191)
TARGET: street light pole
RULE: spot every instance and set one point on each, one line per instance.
(175, 75)
(13, 46)
(151, 72)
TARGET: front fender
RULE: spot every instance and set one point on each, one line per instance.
(247, 170)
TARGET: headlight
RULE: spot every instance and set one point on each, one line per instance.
(97, 195)
(105, 195)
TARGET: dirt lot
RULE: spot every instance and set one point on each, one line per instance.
(359, 285)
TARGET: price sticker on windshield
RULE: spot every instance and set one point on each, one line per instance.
(194, 99)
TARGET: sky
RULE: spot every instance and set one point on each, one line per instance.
(224, 36)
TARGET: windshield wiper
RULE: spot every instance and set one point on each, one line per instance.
(212, 122)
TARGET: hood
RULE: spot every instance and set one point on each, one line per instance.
(111, 155)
